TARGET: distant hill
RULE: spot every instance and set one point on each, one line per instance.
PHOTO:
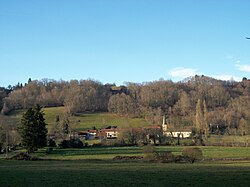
(227, 102)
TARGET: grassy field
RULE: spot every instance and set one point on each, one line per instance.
(100, 173)
(95, 167)
(87, 121)
(108, 153)
(82, 121)
(227, 140)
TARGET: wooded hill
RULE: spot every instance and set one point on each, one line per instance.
(228, 102)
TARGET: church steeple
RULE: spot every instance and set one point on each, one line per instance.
(164, 125)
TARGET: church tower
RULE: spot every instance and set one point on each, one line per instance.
(164, 124)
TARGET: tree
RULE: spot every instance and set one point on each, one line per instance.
(61, 130)
(123, 104)
(57, 131)
(183, 106)
(198, 120)
(155, 135)
(2, 137)
(205, 120)
(8, 133)
(243, 127)
(131, 136)
(33, 129)
(192, 154)
(201, 121)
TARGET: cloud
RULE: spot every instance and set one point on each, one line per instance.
(226, 77)
(243, 67)
(181, 72)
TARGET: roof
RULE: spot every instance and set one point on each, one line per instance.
(172, 128)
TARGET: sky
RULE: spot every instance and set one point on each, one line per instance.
(119, 41)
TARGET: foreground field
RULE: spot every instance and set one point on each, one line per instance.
(100, 173)
(95, 167)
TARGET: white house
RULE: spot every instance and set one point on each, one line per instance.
(111, 133)
(180, 133)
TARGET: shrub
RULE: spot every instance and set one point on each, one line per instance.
(24, 156)
(112, 143)
(76, 143)
(108, 143)
(64, 144)
(72, 143)
(49, 150)
(164, 156)
(192, 154)
(51, 143)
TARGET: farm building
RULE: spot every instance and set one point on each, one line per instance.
(109, 133)
(112, 132)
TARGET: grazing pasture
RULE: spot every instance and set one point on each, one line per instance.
(95, 167)
(107, 153)
(111, 173)
(83, 121)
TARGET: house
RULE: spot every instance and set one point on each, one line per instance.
(180, 134)
(110, 132)
(86, 135)
(170, 131)
(93, 132)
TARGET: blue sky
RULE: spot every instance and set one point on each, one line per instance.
(116, 41)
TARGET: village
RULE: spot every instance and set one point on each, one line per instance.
(114, 132)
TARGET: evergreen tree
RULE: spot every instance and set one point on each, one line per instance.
(33, 129)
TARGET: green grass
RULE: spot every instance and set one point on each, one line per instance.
(108, 153)
(87, 121)
(214, 151)
(226, 152)
(95, 167)
(83, 121)
(99, 173)
(231, 140)
(51, 113)
(93, 153)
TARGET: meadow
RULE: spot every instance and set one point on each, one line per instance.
(86, 121)
(98, 173)
(95, 167)
(82, 121)
(108, 153)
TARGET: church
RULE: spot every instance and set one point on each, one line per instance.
(170, 131)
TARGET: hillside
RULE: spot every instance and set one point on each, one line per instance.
(226, 103)
(82, 121)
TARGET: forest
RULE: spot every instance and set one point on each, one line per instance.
(228, 102)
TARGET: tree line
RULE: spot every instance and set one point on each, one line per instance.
(227, 102)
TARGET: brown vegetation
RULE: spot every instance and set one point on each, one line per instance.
(225, 104)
